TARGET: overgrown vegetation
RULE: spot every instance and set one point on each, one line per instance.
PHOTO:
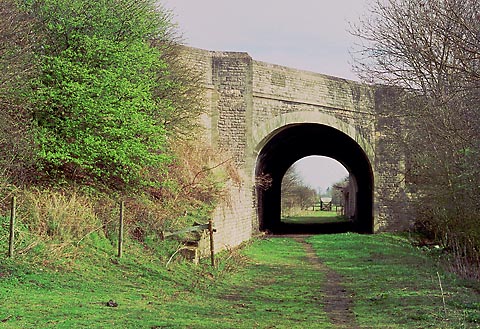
(94, 101)
(18, 66)
(92, 94)
(431, 49)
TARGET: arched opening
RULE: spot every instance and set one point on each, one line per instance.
(316, 190)
(294, 142)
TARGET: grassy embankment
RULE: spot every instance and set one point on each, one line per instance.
(267, 284)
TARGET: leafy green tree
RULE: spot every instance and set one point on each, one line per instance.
(97, 110)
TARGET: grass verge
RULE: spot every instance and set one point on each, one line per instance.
(274, 287)
(395, 285)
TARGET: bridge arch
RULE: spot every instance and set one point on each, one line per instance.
(264, 131)
(282, 141)
(265, 114)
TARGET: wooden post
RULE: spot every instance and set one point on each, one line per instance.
(120, 231)
(212, 250)
(12, 227)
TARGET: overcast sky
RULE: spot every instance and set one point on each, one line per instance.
(321, 172)
(305, 34)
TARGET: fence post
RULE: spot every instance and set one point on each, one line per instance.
(120, 231)
(212, 251)
(12, 227)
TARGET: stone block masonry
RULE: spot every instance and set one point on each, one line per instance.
(231, 78)
(249, 102)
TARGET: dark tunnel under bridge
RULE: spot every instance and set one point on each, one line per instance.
(296, 141)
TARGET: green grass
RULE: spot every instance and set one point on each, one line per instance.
(268, 289)
(314, 217)
(277, 288)
(395, 285)
(267, 284)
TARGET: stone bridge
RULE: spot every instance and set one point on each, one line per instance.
(268, 117)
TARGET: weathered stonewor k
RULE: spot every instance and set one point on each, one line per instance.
(269, 116)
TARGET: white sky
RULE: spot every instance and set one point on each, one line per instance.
(304, 34)
(320, 172)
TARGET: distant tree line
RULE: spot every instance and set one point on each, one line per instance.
(296, 195)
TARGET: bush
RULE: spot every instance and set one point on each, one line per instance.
(18, 66)
(96, 111)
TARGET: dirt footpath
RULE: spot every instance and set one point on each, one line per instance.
(338, 303)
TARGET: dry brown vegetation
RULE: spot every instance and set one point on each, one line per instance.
(429, 53)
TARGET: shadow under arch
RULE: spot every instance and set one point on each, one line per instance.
(296, 141)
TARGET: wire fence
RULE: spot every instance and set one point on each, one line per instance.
(12, 222)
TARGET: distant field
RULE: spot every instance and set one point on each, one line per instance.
(314, 217)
